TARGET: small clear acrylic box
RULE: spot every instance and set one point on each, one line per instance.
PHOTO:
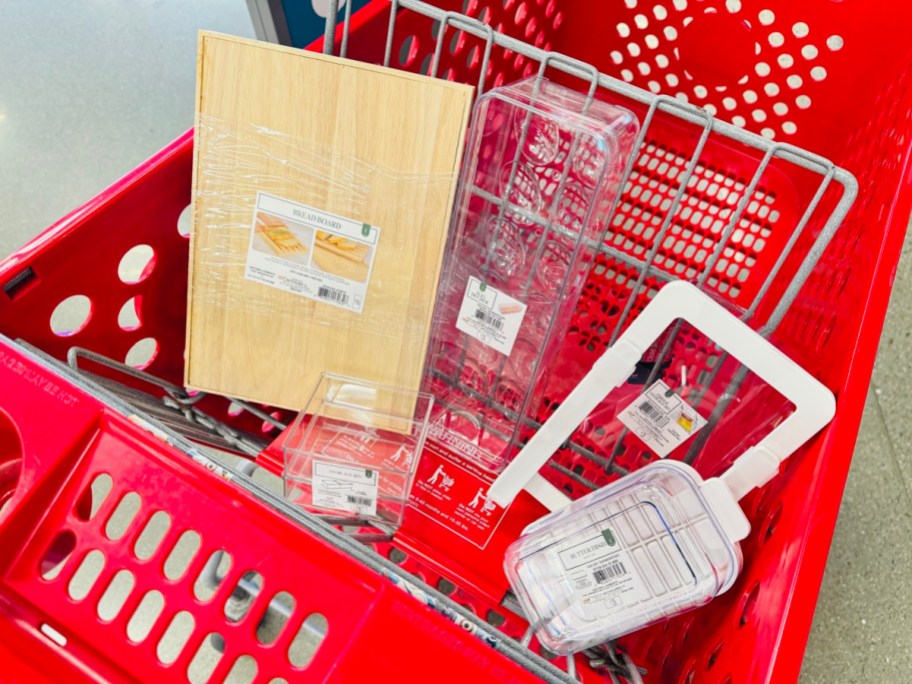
(354, 448)
(626, 556)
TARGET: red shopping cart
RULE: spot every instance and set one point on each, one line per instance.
(751, 211)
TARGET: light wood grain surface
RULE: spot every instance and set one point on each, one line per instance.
(340, 265)
(375, 145)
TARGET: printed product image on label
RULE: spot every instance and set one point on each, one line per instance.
(662, 419)
(490, 316)
(345, 488)
(310, 252)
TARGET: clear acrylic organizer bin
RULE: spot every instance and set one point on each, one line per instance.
(542, 170)
(354, 448)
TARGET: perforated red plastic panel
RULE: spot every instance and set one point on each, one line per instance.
(836, 71)
(124, 561)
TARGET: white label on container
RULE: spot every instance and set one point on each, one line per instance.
(602, 575)
(662, 419)
(310, 252)
(490, 316)
(343, 488)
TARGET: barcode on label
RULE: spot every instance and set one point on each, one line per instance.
(609, 572)
(331, 294)
(650, 410)
(359, 500)
(489, 318)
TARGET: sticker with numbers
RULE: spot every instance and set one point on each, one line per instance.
(310, 252)
(662, 419)
(602, 574)
(344, 488)
(489, 315)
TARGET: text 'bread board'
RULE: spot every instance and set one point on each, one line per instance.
(323, 190)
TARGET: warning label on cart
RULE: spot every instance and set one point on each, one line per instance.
(453, 492)
(490, 316)
(346, 489)
(662, 419)
(310, 252)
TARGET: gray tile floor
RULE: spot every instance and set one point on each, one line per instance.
(91, 89)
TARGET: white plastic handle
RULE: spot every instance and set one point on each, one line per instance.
(814, 403)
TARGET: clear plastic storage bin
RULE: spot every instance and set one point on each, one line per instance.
(542, 171)
(354, 448)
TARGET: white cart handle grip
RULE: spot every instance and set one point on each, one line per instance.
(814, 403)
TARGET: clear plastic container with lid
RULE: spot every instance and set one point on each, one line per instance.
(622, 558)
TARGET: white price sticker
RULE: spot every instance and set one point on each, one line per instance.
(662, 419)
(343, 488)
(602, 574)
(490, 316)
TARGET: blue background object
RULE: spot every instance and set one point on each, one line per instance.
(304, 24)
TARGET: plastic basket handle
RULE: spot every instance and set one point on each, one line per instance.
(814, 403)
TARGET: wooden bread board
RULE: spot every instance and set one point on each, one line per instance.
(305, 125)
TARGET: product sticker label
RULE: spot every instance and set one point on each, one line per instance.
(453, 493)
(602, 574)
(662, 419)
(374, 452)
(490, 316)
(312, 253)
(345, 489)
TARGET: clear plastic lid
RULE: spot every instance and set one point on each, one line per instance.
(621, 558)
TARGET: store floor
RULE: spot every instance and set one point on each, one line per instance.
(91, 89)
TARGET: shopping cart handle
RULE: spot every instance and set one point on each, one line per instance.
(814, 403)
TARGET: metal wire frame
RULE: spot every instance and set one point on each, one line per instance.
(688, 113)
(645, 267)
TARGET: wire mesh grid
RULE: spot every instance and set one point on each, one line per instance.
(745, 235)
(683, 213)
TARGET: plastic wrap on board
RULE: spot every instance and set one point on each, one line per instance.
(323, 190)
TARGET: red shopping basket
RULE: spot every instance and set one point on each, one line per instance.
(125, 561)
(828, 76)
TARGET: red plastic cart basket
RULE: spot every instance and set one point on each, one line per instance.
(124, 560)
(830, 77)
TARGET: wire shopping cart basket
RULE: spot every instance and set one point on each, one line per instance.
(760, 212)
